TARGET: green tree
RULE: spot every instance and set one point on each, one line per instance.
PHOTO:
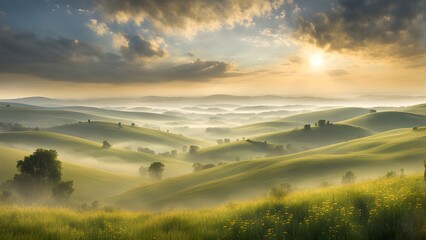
(39, 174)
(156, 170)
(193, 149)
(106, 144)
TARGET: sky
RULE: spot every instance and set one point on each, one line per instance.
(109, 48)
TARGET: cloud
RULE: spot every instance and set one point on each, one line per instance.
(70, 60)
(187, 16)
(139, 48)
(378, 28)
(337, 72)
(99, 28)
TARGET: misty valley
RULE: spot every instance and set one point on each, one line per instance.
(241, 171)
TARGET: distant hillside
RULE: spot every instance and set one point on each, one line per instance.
(383, 121)
(316, 136)
(333, 115)
(89, 184)
(299, 139)
(265, 127)
(42, 117)
(74, 149)
(416, 109)
(99, 131)
(367, 157)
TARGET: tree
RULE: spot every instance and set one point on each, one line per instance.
(88, 120)
(133, 124)
(348, 178)
(40, 173)
(193, 149)
(119, 124)
(219, 141)
(373, 110)
(226, 140)
(62, 192)
(174, 153)
(402, 172)
(322, 123)
(307, 127)
(156, 170)
(281, 191)
(8, 105)
(106, 144)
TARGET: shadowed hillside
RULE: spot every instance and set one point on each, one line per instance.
(384, 121)
(99, 131)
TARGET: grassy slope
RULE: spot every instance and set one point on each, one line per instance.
(265, 127)
(380, 209)
(41, 117)
(384, 121)
(73, 147)
(121, 114)
(367, 156)
(89, 183)
(316, 137)
(333, 115)
(416, 109)
(99, 131)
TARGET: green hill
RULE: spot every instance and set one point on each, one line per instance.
(89, 183)
(367, 157)
(41, 117)
(264, 127)
(384, 121)
(332, 115)
(74, 149)
(316, 136)
(299, 139)
(99, 131)
(416, 109)
(109, 113)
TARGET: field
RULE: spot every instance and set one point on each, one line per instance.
(392, 208)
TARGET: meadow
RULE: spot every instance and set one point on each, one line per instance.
(386, 208)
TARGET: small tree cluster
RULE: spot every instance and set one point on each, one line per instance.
(156, 170)
(39, 174)
(193, 149)
(171, 154)
(199, 166)
(146, 150)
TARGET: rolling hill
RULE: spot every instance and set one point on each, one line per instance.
(332, 115)
(99, 131)
(89, 183)
(41, 117)
(367, 157)
(384, 121)
(82, 151)
(299, 139)
(264, 127)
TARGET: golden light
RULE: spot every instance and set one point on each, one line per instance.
(316, 61)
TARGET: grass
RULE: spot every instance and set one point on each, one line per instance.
(264, 127)
(369, 156)
(380, 209)
(90, 184)
(99, 131)
(384, 121)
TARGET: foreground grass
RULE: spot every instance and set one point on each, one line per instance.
(379, 209)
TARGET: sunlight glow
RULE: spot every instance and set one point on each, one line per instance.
(316, 61)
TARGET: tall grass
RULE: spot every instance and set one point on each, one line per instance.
(380, 209)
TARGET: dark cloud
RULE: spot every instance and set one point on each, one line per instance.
(187, 16)
(70, 60)
(139, 48)
(337, 72)
(375, 27)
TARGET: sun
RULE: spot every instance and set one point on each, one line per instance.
(316, 61)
